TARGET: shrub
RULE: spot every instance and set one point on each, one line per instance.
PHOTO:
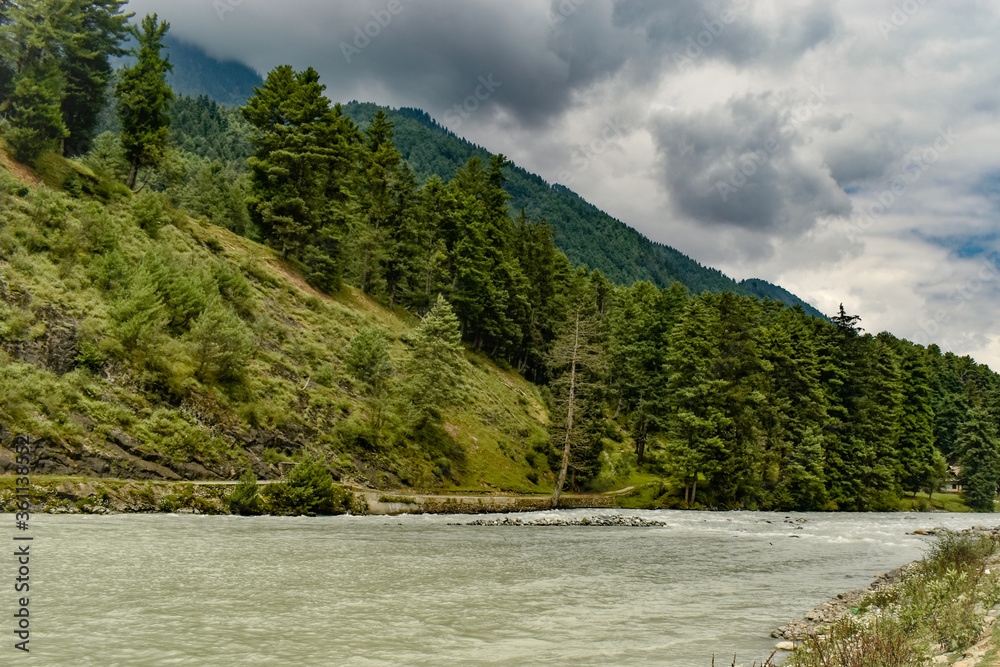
(933, 604)
(233, 287)
(138, 315)
(325, 375)
(88, 355)
(850, 643)
(245, 498)
(309, 489)
(147, 209)
(223, 343)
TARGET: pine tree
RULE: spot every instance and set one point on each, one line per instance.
(34, 122)
(916, 452)
(401, 266)
(546, 271)
(739, 365)
(697, 421)
(847, 324)
(7, 71)
(877, 408)
(436, 365)
(138, 316)
(369, 364)
(862, 378)
(305, 151)
(436, 234)
(794, 419)
(979, 449)
(101, 28)
(33, 39)
(489, 288)
(382, 170)
(143, 97)
(640, 326)
(223, 342)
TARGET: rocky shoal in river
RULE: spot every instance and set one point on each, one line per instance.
(844, 603)
(612, 520)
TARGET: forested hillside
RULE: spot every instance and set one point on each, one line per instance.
(196, 73)
(385, 326)
(584, 233)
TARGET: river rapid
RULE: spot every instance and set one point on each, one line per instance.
(418, 590)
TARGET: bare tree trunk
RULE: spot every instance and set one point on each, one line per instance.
(569, 413)
(694, 490)
(521, 365)
(640, 444)
(133, 173)
(427, 277)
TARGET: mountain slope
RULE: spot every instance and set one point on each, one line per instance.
(585, 233)
(197, 73)
(116, 318)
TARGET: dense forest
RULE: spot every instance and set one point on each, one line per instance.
(584, 233)
(730, 400)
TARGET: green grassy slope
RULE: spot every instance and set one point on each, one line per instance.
(100, 404)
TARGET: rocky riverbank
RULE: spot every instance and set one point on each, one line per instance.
(835, 608)
(61, 495)
(887, 590)
(611, 520)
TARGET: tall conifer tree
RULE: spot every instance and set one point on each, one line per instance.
(143, 99)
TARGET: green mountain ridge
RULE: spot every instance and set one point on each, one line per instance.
(586, 234)
(195, 73)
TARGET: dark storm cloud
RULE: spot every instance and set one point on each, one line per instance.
(545, 55)
(865, 157)
(726, 29)
(741, 164)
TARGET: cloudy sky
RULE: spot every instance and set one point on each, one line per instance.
(846, 150)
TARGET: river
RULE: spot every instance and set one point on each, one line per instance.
(417, 590)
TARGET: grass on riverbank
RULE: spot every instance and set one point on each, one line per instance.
(946, 502)
(936, 606)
